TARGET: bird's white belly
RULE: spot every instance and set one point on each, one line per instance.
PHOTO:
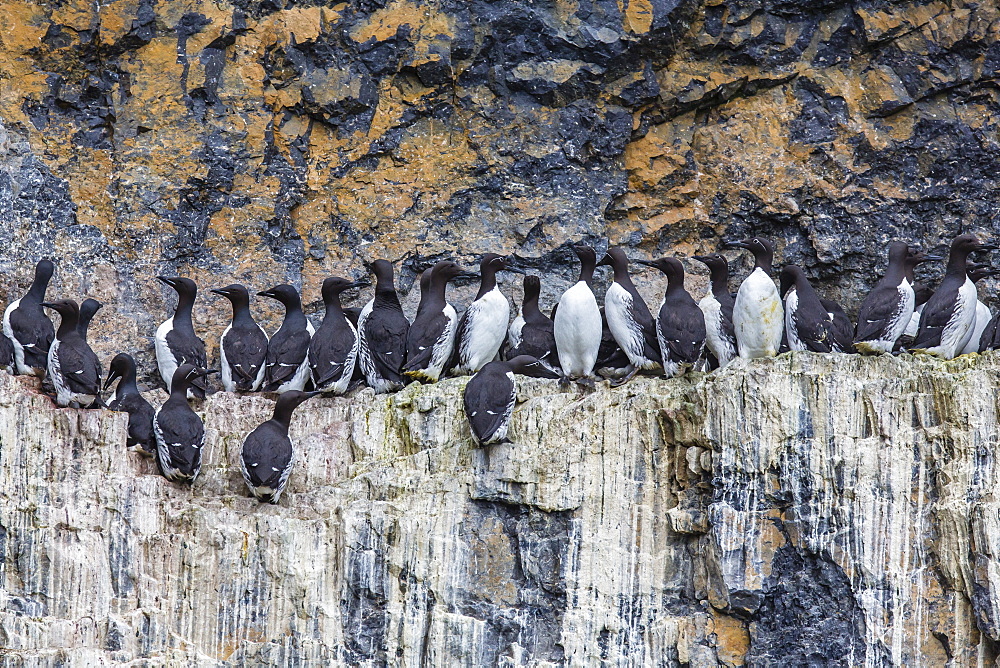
(626, 331)
(484, 331)
(758, 316)
(514, 332)
(577, 331)
(227, 373)
(982, 318)
(164, 358)
(956, 333)
(720, 347)
(8, 331)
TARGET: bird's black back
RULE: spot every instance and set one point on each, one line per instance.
(329, 348)
(385, 332)
(187, 348)
(140, 420)
(425, 331)
(488, 398)
(812, 323)
(179, 424)
(79, 366)
(245, 346)
(843, 330)
(682, 326)
(285, 352)
(269, 447)
(34, 331)
(938, 312)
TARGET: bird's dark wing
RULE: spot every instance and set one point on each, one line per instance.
(140, 421)
(187, 348)
(266, 448)
(488, 398)
(936, 315)
(246, 353)
(682, 325)
(285, 353)
(183, 432)
(420, 340)
(988, 340)
(6, 351)
(34, 331)
(539, 341)
(878, 311)
(814, 330)
(328, 352)
(81, 368)
(386, 340)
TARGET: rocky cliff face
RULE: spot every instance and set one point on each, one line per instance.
(824, 510)
(267, 141)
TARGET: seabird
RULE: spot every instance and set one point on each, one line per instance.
(334, 347)
(717, 306)
(382, 329)
(535, 337)
(73, 367)
(758, 318)
(983, 315)
(483, 326)
(629, 318)
(490, 396)
(808, 325)
(430, 340)
(243, 344)
(176, 342)
(921, 293)
(577, 323)
(27, 326)
(180, 433)
(129, 400)
(887, 309)
(951, 310)
(268, 455)
(287, 364)
(680, 324)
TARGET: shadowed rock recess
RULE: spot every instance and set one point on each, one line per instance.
(810, 509)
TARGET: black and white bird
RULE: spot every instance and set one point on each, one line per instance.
(951, 310)
(6, 354)
(921, 293)
(243, 344)
(430, 340)
(128, 399)
(577, 326)
(629, 319)
(886, 311)
(983, 315)
(717, 306)
(490, 396)
(680, 323)
(535, 336)
(483, 326)
(758, 317)
(382, 329)
(333, 350)
(179, 431)
(88, 309)
(27, 326)
(287, 364)
(268, 455)
(73, 367)
(175, 340)
(808, 325)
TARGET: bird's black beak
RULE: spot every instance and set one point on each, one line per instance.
(112, 377)
(933, 258)
(470, 275)
(700, 258)
(168, 280)
(48, 305)
(362, 283)
(266, 293)
(507, 266)
(538, 370)
(605, 261)
(988, 247)
(220, 291)
(206, 372)
(745, 245)
(646, 263)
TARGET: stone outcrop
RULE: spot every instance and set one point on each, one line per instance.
(820, 509)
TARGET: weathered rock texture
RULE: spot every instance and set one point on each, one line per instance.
(284, 140)
(820, 510)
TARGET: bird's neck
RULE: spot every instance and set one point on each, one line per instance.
(334, 311)
(36, 292)
(127, 385)
(182, 315)
(957, 262)
(68, 327)
(720, 282)
(487, 282)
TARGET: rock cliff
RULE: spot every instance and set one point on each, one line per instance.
(267, 141)
(818, 509)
